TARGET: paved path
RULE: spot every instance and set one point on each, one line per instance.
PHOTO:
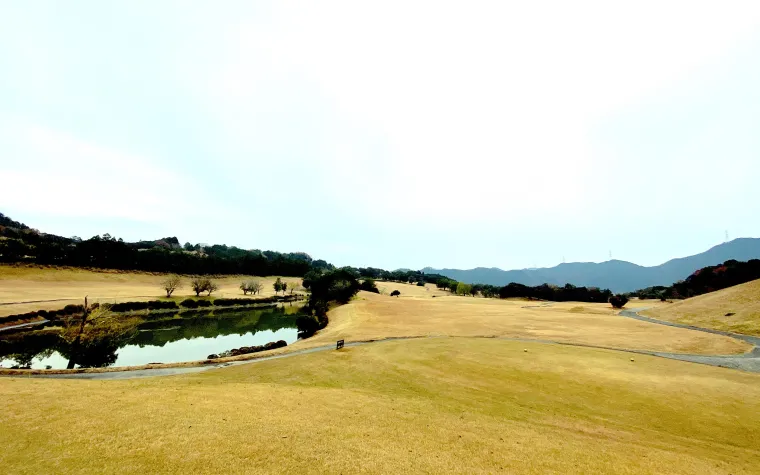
(745, 362)
(634, 313)
(147, 373)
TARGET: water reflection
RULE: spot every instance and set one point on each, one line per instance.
(157, 338)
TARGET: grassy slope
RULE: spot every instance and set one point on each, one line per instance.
(709, 310)
(58, 287)
(409, 290)
(373, 316)
(430, 405)
(433, 405)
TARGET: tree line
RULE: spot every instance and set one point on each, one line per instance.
(23, 244)
(704, 280)
(401, 275)
(569, 292)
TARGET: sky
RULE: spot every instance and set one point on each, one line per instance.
(387, 134)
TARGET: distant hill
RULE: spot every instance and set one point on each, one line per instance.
(616, 275)
(8, 222)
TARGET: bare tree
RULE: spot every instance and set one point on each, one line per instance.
(198, 284)
(203, 284)
(252, 286)
(294, 287)
(245, 287)
(170, 284)
(210, 287)
(256, 286)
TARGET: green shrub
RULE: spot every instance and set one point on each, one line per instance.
(618, 301)
(161, 304)
(335, 286)
(368, 285)
(308, 324)
(189, 303)
(21, 316)
(129, 306)
(71, 309)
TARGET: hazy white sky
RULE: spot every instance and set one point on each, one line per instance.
(391, 134)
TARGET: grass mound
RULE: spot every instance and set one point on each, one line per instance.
(735, 309)
(371, 316)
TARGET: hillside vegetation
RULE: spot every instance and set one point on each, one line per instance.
(434, 406)
(712, 310)
(21, 244)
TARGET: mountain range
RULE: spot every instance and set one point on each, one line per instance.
(616, 275)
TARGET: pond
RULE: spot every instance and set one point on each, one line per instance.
(160, 338)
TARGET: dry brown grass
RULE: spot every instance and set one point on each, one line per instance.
(434, 405)
(427, 406)
(417, 313)
(409, 290)
(371, 316)
(49, 288)
(709, 310)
